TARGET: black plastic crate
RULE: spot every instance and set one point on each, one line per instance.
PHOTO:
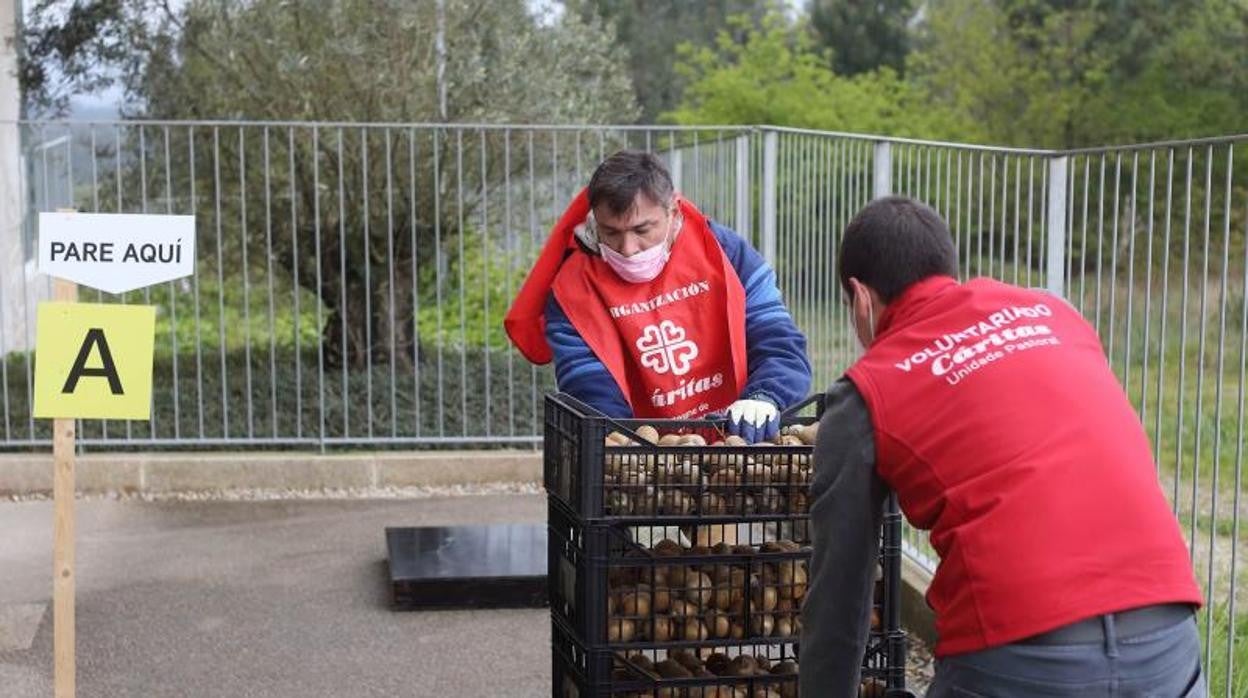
(616, 589)
(607, 590)
(644, 481)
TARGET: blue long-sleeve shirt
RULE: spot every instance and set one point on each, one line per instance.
(777, 367)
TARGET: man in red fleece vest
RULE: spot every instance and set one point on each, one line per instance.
(992, 412)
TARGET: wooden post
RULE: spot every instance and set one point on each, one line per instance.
(63, 536)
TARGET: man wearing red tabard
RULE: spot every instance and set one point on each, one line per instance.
(651, 310)
(990, 409)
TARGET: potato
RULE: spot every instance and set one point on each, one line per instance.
(661, 598)
(618, 503)
(718, 624)
(801, 476)
(669, 440)
(687, 472)
(762, 624)
(692, 440)
(744, 503)
(742, 665)
(684, 609)
(658, 630)
(734, 440)
(784, 626)
(729, 589)
(757, 474)
(668, 548)
(621, 629)
(671, 669)
(698, 588)
(872, 688)
(808, 433)
(717, 663)
(666, 474)
(790, 440)
(725, 480)
(695, 630)
(687, 659)
(762, 595)
(634, 602)
(784, 668)
(648, 433)
(713, 505)
(678, 576)
(675, 502)
(798, 503)
(791, 579)
(770, 501)
(642, 662)
(615, 438)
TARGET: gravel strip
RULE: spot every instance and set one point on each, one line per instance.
(920, 666)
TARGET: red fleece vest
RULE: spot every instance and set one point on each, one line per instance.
(1005, 433)
(675, 345)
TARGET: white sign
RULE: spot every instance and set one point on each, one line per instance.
(116, 252)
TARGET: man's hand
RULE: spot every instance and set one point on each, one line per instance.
(753, 420)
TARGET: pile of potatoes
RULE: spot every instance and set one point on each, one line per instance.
(697, 602)
(704, 482)
(683, 664)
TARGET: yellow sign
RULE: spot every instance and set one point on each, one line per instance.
(94, 361)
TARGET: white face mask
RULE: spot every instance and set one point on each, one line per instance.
(641, 267)
(645, 265)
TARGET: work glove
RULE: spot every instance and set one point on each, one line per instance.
(753, 420)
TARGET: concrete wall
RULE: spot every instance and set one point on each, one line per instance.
(23, 474)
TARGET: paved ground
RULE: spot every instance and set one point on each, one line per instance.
(237, 599)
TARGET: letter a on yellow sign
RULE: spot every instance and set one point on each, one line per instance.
(94, 361)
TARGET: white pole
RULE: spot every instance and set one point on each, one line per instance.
(12, 258)
(1055, 276)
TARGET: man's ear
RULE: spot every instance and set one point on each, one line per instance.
(859, 296)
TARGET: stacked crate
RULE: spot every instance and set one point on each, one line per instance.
(678, 560)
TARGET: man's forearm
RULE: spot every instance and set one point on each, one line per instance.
(847, 501)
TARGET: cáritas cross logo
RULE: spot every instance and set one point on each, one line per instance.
(664, 348)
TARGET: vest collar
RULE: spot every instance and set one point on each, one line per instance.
(905, 307)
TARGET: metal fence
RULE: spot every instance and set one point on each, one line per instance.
(352, 278)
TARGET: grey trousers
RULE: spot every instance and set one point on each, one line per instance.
(1159, 664)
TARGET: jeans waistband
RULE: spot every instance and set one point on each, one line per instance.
(1136, 621)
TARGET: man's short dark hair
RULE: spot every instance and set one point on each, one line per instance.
(894, 243)
(619, 179)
